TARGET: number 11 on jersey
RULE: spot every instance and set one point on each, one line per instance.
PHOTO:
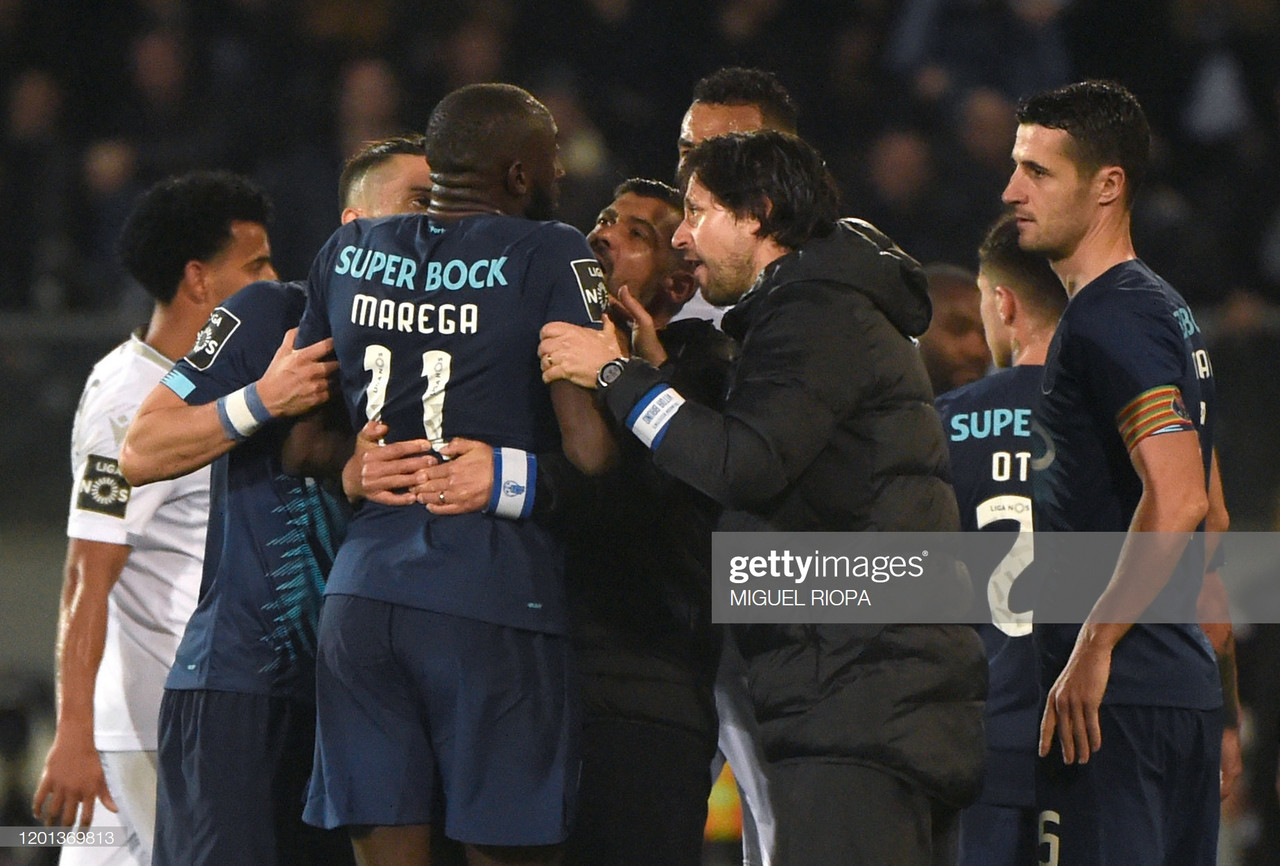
(437, 366)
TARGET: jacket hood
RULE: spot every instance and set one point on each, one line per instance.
(861, 257)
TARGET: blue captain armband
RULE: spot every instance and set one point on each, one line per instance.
(650, 417)
(515, 475)
(242, 412)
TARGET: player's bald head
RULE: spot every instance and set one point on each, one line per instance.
(482, 126)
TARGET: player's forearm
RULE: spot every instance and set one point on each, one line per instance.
(1227, 675)
(172, 441)
(82, 637)
(1156, 540)
(587, 440)
(1217, 521)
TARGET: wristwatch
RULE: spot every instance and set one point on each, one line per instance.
(609, 372)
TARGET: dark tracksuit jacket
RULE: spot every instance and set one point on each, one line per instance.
(829, 426)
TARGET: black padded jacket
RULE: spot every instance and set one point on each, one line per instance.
(829, 426)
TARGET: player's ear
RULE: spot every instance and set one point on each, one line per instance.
(351, 213)
(516, 179)
(192, 284)
(1111, 182)
(756, 223)
(1006, 304)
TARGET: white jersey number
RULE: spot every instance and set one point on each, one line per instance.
(436, 368)
(1023, 552)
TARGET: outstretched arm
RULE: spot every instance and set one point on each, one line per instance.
(169, 438)
(782, 412)
(72, 779)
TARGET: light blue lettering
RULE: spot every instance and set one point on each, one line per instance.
(408, 269)
(456, 273)
(495, 272)
(452, 284)
(344, 260)
(985, 430)
(359, 262)
(990, 422)
(389, 275)
(1186, 321)
(377, 261)
(434, 269)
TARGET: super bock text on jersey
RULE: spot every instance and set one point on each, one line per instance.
(435, 327)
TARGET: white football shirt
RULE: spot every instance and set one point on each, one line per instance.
(164, 523)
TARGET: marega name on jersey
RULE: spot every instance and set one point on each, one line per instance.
(400, 272)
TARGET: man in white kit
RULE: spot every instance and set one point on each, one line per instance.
(134, 555)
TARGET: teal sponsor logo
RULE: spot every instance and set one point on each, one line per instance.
(372, 265)
(990, 422)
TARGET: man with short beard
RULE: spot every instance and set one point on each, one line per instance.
(873, 733)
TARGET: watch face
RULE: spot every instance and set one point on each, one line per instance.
(610, 371)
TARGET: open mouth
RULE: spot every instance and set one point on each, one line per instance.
(605, 260)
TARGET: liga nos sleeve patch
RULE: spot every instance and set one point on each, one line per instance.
(595, 295)
(212, 337)
(102, 489)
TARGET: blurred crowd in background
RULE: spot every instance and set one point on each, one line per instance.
(910, 101)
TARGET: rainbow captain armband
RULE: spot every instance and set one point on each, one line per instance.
(242, 412)
(1157, 410)
(515, 475)
(649, 418)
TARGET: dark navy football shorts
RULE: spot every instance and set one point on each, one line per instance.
(1148, 797)
(997, 835)
(426, 718)
(232, 778)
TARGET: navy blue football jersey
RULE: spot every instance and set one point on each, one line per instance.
(1127, 361)
(272, 537)
(993, 444)
(436, 326)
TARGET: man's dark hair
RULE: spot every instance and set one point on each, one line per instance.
(477, 126)
(777, 178)
(186, 218)
(1105, 122)
(374, 154)
(643, 186)
(1026, 274)
(736, 85)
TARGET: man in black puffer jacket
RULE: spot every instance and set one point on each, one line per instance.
(873, 733)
